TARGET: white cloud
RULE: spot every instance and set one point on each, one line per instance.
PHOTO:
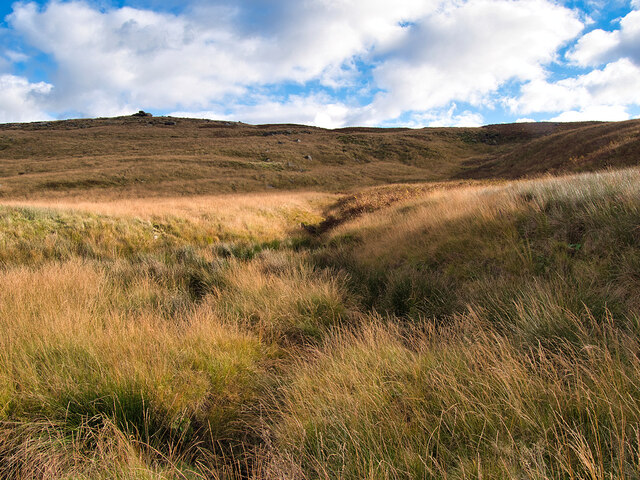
(156, 60)
(15, 57)
(465, 119)
(593, 47)
(314, 110)
(129, 56)
(603, 93)
(599, 46)
(20, 99)
(312, 38)
(470, 49)
(446, 118)
(221, 59)
(321, 111)
(426, 54)
(606, 113)
(615, 85)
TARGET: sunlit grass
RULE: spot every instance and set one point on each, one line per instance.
(483, 244)
(463, 402)
(435, 331)
(73, 356)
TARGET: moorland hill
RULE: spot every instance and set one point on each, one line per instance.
(191, 299)
(164, 156)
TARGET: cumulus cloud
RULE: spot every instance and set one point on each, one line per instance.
(317, 110)
(605, 92)
(128, 57)
(469, 50)
(346, 61)
(599, 46)
(159, 60)
(614, 86)
(464, 119)
(307, 40)
(20, 99)
(15, 57)
(607, 113)
(442, 117)
(322, 111)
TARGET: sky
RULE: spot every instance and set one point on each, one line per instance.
(330, 63)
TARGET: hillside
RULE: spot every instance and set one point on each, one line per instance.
(430, 331)
(587, 147)
(161, 156)
(189, 299)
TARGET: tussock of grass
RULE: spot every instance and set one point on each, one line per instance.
(72, 357)
(134, 228)
(483, 245)
(283, 297)
(253, 217)
(442, 331)
(463, 402)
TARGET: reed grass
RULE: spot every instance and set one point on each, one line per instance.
(447, 331)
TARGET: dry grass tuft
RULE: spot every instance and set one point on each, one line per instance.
(484, 330)
(463, 401)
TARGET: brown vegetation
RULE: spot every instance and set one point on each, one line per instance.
(141, 157)
(453, 329)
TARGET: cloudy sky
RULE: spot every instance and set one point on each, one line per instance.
(324, 62)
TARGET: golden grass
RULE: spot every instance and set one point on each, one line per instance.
(440, 205)
(264, 216)
(434, 331)
(462, 402)
(127, 355)
(71, 355)
(283, 297)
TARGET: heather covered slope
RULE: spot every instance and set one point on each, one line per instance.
(588, 147)
(161, 156)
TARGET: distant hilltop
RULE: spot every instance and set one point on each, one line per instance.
(141, 154)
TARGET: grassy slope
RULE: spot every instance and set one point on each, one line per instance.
(583, 230)
(133, 346)
(142, 157)
(512, 349)
(587, 148)
(443, 330)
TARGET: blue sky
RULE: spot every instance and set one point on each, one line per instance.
(330, 63)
